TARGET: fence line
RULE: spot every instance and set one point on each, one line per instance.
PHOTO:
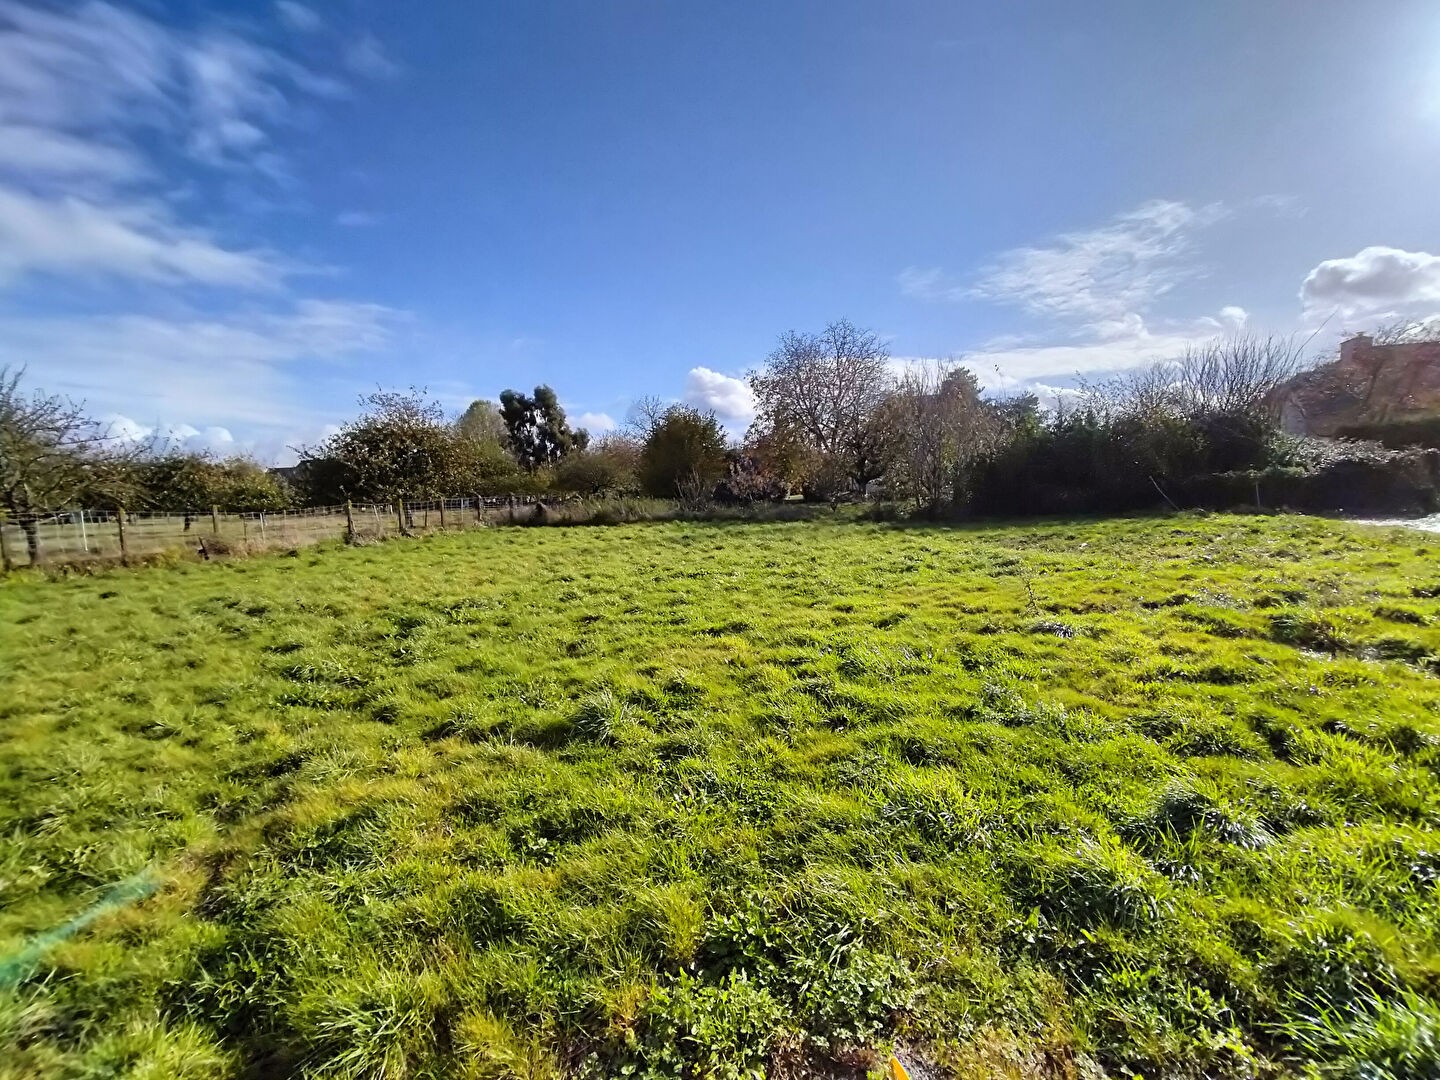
(79, 535)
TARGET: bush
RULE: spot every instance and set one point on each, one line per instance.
(1421, 431)
(1384, 482)
(684, 455)
(1084, 463)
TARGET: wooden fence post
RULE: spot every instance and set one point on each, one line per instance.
(479, 507)
(400, 516)
(4, 551)
(124, 545)
(215, 519)
(442, 515)
(349, 523)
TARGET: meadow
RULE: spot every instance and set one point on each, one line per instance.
(1144, 796)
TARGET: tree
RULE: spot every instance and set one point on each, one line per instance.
(244, 485)
(50, 451)
(485, 467)
(684, 456)
(782, 454)
(1214, 409)
(609, 465)
(536, 429)
(481, 422)
(194, 482)
(824, 389)
(938, 424)
(400, 447)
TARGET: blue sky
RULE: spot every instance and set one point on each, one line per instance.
(228, 220)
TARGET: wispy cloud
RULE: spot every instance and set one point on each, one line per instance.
(233, 369)
(102, 108)
(1096, 293)
(298, 17)
(367, 56)
(83, 93)
(99, 73)
(1102, 275)
(136, 239)
(27, 150)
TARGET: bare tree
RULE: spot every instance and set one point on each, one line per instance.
(644, 416)
(49, 450)
(940, 424)
(1234, 376)
(825, 388)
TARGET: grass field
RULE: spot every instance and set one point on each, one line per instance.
(1150, 796)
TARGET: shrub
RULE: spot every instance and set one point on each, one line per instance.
(684, 455)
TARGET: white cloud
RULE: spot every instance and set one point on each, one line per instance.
(237, 369)
(729, 398)
(97, 70)
(1100, 288)
(1106, 278)
(96, 100)
(82, 69)
(1376, 279)
(29, 150)
(184, 437)
(597, 423)
(70, 235)
(366, 56)
(1103, 274)
(88, 95)
(930, 283)
(1007, 367)
(297, 17)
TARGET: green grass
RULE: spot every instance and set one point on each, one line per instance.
(1152, 796)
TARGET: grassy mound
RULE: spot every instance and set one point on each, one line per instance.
(1146, 796)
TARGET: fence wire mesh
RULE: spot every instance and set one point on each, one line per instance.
(79, 535)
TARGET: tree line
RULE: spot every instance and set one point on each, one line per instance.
(835, 418)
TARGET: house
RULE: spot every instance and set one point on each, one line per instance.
(1369, 386)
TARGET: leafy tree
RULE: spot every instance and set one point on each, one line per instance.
(536, 429)
(178, 481)
(190, 482)
(481, 422)
(246, 485)
(400, 447)
(50, 454)
(608, 466)
(483, 466)
(684, 456)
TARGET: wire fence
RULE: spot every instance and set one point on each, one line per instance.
(74, 536)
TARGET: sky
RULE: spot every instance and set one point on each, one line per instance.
(226, 221)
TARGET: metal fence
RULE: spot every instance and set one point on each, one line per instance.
(73, 536)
